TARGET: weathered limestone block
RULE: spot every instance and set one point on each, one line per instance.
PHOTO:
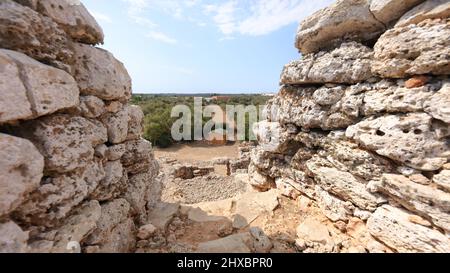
(12, 238)
(344, 185)
(387, 11)
(259, 180)
(116, 125)
(113, 184)
(66, 142)
(47, 89)
(326, 107)
(77, 227)
(274, 138)
(111, 81)
(438, 106)
(115, 152)
(14, 104)
(394, 227)
(344, 20)
(25, 30)
(21, 170)
(90, 107)
(394, 98)
(57, 196)
(443, 179)
(426, 201)
(313, 231)
(138, 157)
(112, 214)
(137, 193)
(413, 139)
(350, 63)
(135, 122)
(121, 238)
(414, 49)
(430, 9)
(237, 243)
(72, 16)
(334, 208)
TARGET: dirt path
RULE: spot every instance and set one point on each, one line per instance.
(187, 153)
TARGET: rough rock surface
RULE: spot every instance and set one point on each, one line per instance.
(74, 172)
(345, 19)
(360, 128)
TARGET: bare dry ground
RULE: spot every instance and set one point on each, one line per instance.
(197, 151)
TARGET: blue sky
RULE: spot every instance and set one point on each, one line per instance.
(187, 46)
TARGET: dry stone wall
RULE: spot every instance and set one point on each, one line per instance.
(73, 166)
(362, 122)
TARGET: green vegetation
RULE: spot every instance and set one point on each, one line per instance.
(157, 110)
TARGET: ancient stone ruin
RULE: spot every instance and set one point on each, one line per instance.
(362, 122)
(353, 157)
(74, 170)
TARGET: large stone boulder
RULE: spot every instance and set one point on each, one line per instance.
(387, 11)
(72, 16)
(21, 170)
(350, 63)
(413, 139)
(394, 227)
(344, 20)
(29, 32)
(31, 89)
(12, 238)
(111, 81)
(66, 142)
(414, 49)
(430, 9)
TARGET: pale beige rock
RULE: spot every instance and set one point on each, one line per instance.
(121, 239)
(57, 196)
(113, 184)
(328, 108)
(48, 89)
(314, 231)
(430, 9)
(350, 19)
(115, 152)
(21, 170)
(12, 238)
(395, 99)
(412, 139)
(112, 213)
(77, 227)
(350, 63)
(111, 81)
(138, 157)
(334, 208)
(162, 214)
(344, 185)
(392, 226)
(146, 231)
(413, 49)
(426, 201)
(443, 179)
(387, 11)
(272, 137)
(14, 104)
(137, 190)
(117, 126)
(66, 142)
(438, 106)
(252, 205)
(135, 122)
(237, 243)
(90, 107)
(258, 179)
(72, 16)
(25, 30)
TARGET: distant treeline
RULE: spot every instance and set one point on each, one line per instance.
(157, 110)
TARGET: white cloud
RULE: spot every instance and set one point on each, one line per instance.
(161, 37)
(261, 17)
(101, 17)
